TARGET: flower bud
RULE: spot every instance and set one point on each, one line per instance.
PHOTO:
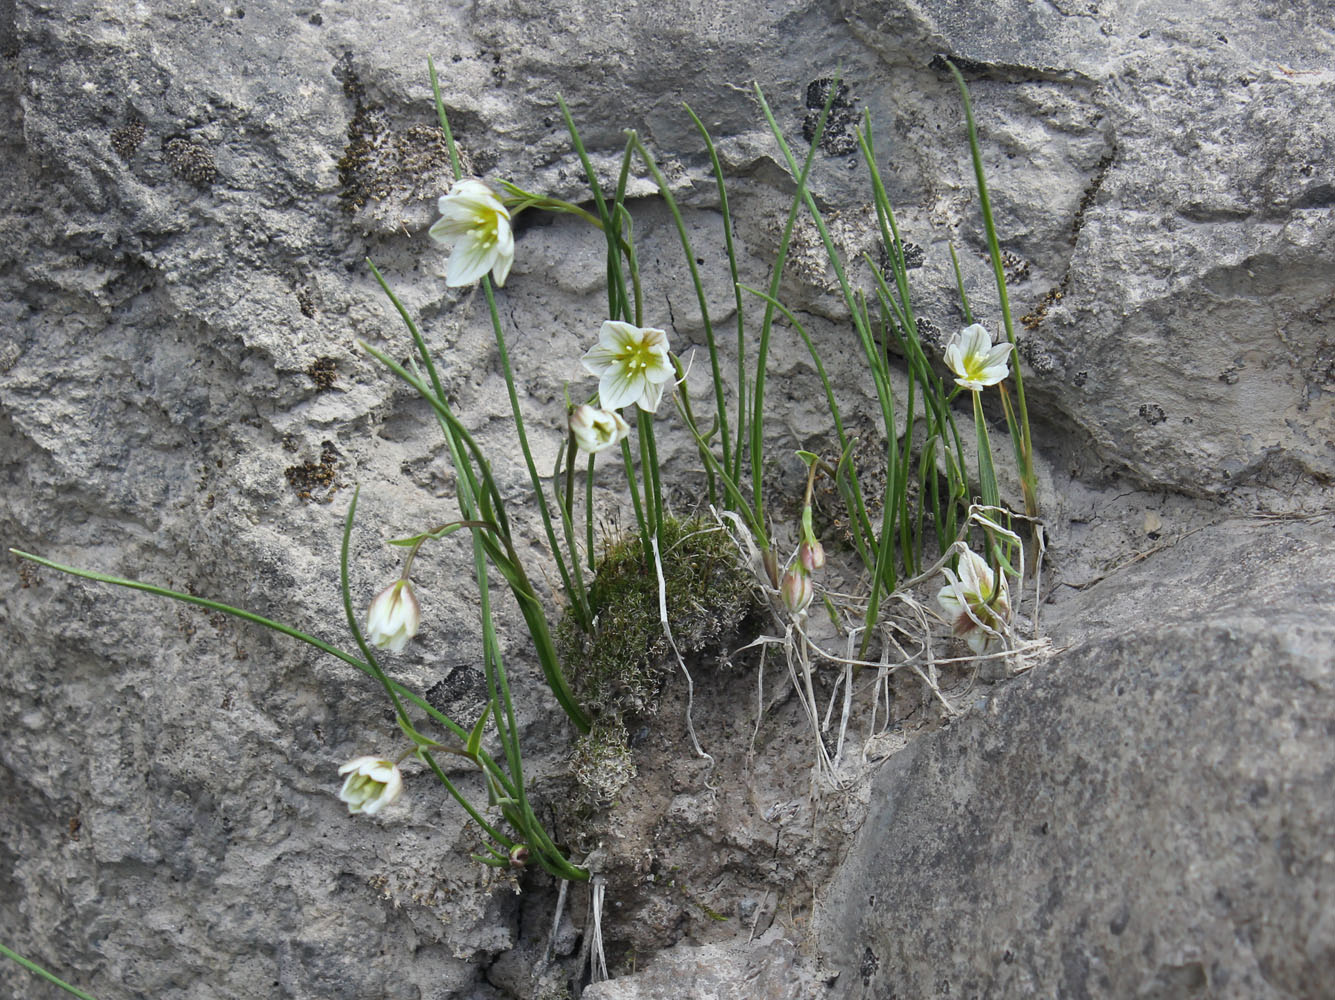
(372, 784)
(811, 555)
(519, 856)
(796, 590)
(597, 430)
(393, 617)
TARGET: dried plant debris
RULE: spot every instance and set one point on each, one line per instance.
(323, 372)
(316, 481)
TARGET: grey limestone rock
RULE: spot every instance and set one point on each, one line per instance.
(189, 194)
(1147, 815)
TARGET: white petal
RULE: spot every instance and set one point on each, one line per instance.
(998, 355)
(652, 396)
(616, 336)
(469, 261)
(617, 388)
(598, 359)
(976, 339)
(505, 254)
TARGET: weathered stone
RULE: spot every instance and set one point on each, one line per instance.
(188, 197)
(1146, 815)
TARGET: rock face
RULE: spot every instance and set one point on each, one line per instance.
(1148, 815)
(189, 195)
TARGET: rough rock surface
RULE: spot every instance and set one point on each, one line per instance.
(190, 191)
(1147, 815)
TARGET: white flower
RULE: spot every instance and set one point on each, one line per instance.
(975, 589)
(596, 430)
(973, 359)
(393, 617)
(372, 784)
(632, 365)
(475, 223)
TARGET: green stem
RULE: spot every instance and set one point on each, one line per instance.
(725, 437)
(578, 599)
(37, 970)
(268, 623)
(1028, 479)
(736, 470)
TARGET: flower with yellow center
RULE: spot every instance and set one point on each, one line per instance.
(632, 365)
(976, 588)
(477, 226)
(973, 359)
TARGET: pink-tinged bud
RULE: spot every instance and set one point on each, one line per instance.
(519, 856)
(811, 555)
(796, 590)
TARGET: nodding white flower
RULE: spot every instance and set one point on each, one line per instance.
(632, 365)
(976, 589)
(796, 590)
(973, 359)
(372, 784)
(475, 223)
(393, 617)
(597, 430)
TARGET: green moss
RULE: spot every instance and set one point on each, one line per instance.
(621, 666)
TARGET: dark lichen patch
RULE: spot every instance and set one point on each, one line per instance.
(838, 137)
(913, 258)
(1091, 192)
(381, 161)
(316, 481)
(190, 161)
(621, 666)
(930, 335)
(306, 302)
(461, 694)
(128, 138)
(28, 574)
(1016, 267)
(1152, 414)
(323, 372)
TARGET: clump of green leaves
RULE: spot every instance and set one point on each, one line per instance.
(620, 664)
